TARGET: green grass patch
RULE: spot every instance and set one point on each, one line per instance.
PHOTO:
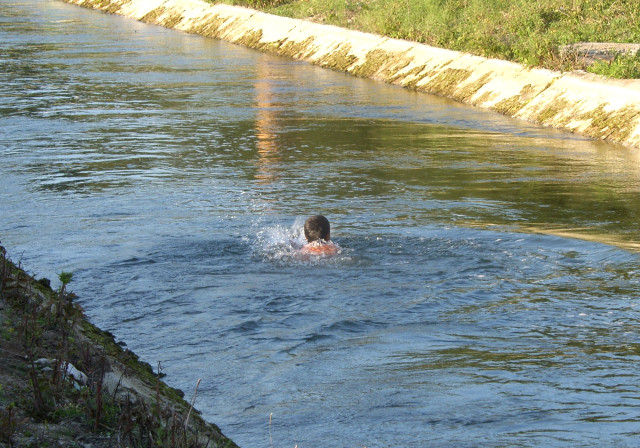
(524, 31)
(624, 67)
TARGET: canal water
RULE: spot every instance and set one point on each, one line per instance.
(486, 292)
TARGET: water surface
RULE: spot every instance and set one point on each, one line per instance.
(170, 173)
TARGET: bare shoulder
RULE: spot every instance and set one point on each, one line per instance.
(326, 249)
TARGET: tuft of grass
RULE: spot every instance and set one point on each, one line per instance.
(524, 31)
(623, 67)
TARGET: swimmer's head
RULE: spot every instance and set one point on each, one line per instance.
(317, 228)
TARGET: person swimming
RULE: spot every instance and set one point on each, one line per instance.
(317, 231)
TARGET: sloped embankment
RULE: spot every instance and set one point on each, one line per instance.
(64, 382)
(591, 105)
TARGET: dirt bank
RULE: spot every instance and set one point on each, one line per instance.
(64, 382)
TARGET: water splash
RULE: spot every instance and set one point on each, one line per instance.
(279, 243)
(282, 244)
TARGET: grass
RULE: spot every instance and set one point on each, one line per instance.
(525, 31)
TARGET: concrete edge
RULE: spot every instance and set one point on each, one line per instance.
(591, 105)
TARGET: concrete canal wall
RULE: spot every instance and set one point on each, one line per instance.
(587, 104)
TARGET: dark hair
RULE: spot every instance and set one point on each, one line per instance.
(317, 228)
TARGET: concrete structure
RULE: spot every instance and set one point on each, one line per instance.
(578, 102)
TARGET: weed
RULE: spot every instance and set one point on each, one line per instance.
(7, 424)
(622, 66)
(51, 332)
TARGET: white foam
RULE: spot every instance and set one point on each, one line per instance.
(279, 242)
(282, 244)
